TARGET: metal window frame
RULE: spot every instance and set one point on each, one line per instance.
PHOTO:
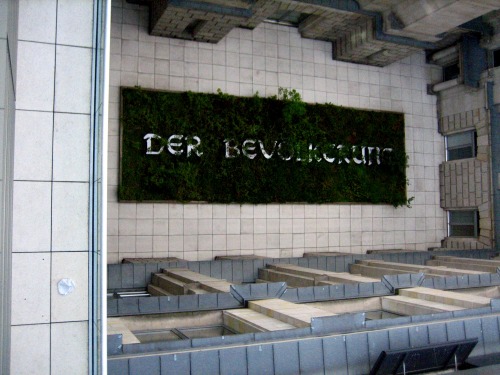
(476, 222)
(473, 144)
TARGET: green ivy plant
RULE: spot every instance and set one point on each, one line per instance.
(306, 133)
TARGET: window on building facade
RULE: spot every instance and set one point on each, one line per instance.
(463, 223)
(288, 17)
(451, 71)
(461, 145)
(496, 58)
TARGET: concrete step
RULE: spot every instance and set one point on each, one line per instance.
(288, 312)
(247, 321)
(336, 277)
(375, 272)
(194, 288)
(157, 291)
(116, 327)
(492, 262)
(403, 305)
(184, 281)
(188, 276)
(446, 297)
(169, 284)
(324, 254)
(463, 266)
(292, 280)
(416, 268)
(221, 286)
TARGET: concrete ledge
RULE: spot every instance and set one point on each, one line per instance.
(450, 298)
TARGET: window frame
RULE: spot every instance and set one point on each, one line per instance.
(475, 223)
(472, 145)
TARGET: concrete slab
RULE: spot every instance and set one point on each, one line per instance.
(116, 326)
(288, 312)
(157, 291)
(188, 276)
(168, 284)
(334, 277)
(248, 320)
(324, 254)
(292, 280)
(412, 268)
(152, 260)
(446, 297)
(184, 281)
(463, 266)
(407, 306)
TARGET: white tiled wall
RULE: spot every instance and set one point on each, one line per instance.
(51, 187)
(262, 60)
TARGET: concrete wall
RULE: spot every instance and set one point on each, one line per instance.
(8, 44)
(261, 60)
(51, 187)
(466, 183)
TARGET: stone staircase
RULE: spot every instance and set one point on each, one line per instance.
(297, 276)
(271, 315)
(180, 281)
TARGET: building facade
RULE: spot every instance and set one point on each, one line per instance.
(60, 217)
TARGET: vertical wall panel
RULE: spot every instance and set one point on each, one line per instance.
(419, 336)
(118, 367)
(491, 334)
(335, 354)
(474, 329)
(311, 356)
(260, 360)
(286, 358)
(399, 338)
(144, 365)
(176, 364)
(377, 342)
(233, 361)
(455, 330)
(205, 363)
(357, 350)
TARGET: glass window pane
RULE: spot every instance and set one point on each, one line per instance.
(461, 145)
(462, 231)
(462, 217)
(451, 72)
(460, 153)
(463, 223)
(460, 139)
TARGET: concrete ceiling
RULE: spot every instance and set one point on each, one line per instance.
(373, 32)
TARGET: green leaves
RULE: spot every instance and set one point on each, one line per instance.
(258, 150)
